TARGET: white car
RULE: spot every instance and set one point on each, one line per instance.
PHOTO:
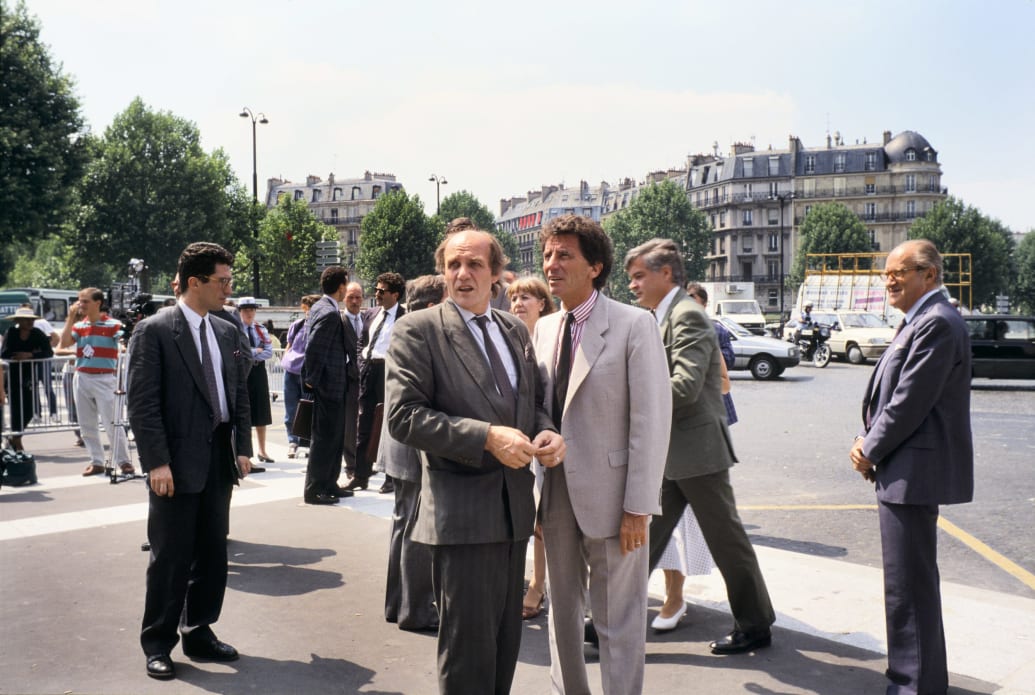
(855, 335)
(766, 358)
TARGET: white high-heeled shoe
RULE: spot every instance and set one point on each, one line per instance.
(665, 624)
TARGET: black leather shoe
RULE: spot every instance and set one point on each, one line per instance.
(738, 642)
(388, 487)
(356, 484)
(160, 666)
(321, 498)
(257, 469)
(590, 633)
(342, 492)
(210, 650)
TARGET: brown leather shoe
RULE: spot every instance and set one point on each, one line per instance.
(127, 469)
(92, 469)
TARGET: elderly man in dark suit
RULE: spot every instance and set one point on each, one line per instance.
(916, 446)
(409, 593)
(325, 375)
(352, 315)
(700, 451)
(463, 388)
(188, 407)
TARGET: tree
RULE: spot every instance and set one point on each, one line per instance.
(661, 210)
(397, 237)
(287, 252)
(42, 147)
(464, 204)
(1022, 295)
(43, 263)
(828, 228)
(958, 228)
(150, 191)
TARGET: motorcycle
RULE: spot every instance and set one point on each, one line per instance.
(812, 344)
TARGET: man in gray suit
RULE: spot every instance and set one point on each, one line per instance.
(188, 407)
(605, 368)
(700, 451)
(916, 446)
(464, 389)
(409, 594)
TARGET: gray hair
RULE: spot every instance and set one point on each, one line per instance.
(424, 291)
(925, 254)
(656, 254)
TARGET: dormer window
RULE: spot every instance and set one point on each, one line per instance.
(910, 155)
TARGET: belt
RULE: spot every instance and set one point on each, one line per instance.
(376, 360)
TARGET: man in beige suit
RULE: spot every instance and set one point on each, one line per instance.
(607, 384)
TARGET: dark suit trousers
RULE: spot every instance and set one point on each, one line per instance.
(912, 599)
(711, 499)
(479, 589)
(326, 446)
(409, 593)
(371, 392)
(351, 421)
(186, 575)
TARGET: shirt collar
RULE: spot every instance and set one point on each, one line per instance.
(662, 308)
(468, 316)
(582, 311)
(193, 317)
(919, 303)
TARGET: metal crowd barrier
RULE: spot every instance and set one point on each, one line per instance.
(49, 404)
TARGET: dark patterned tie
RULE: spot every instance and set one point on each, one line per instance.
(499, 372)
(210, 375)
(369, 352)
(560, 383)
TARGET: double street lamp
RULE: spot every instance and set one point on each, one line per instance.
(256, 118)
(439, 182)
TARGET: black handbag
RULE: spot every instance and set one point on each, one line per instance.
(17, 468)
(302, 425)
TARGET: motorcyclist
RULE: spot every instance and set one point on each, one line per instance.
(804, 321)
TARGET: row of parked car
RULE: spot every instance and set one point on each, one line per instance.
(1003, 346)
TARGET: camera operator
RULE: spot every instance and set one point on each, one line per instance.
(96, 337)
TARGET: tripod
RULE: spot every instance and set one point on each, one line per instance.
(119, 427)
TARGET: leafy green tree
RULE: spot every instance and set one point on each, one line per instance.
(828, 228)
(1023, 293)
(396, 236)
(661, 210)
(464, 204)
(43, 263)
(150, 191)
(958, 228)
(42, 145)
(287, 253)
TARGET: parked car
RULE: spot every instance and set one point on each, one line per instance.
(766, 358)
(1002, 346)
(855, 335)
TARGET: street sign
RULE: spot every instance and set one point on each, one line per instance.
(1002, 303)
(328, 253)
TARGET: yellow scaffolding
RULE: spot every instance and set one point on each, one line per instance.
(846, 267)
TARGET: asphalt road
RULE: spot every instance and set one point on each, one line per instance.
(793, 440)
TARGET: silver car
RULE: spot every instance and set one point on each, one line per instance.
(766, 358)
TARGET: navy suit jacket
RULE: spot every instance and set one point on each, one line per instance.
(169, 408)
(325, 366)
(916, 411)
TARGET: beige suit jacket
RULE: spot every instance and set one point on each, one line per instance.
(617, 414)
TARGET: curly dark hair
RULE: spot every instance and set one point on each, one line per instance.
(594, 243)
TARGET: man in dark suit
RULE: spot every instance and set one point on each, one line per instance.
(188, 407)
(353, 318)
(700, 451)
(325, 375)
(409, 593)
(916, 445)
(463, 388)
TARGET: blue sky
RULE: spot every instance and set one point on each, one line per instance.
(502, 98)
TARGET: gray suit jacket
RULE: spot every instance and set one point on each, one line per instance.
(700, 440)
(617, 414)
(441, 399)
(169, 408)
(918, 408)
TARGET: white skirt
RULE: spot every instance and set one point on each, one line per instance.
(686, 550)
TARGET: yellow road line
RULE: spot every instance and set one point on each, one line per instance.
(997, 559)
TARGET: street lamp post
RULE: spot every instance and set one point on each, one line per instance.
(782, 197)
(256, 118)
(439, 182)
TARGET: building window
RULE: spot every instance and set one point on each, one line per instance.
(871, 161)
(808, 188)
(873, 239)
(932, 183)
(357, 192)
(839, 185)
(746, 270)
(337, 194)
(749, 168)
(722, 219)
(910, 183)
(334, 216)
(745, 243)
(773, 271)
(808, 209)
(810, 164)
(870, 211)
(713, 222)
(375, 192)
(722, 244)
(774, 216)
(299, 195)
(871, 189)
(746, 222)
(352, 237)
(774, 166)
(774, 300)
(839, 162)
(316, 195)
(930, 155)
(774, 189)
(910, 155)
(774, 242)
(910, 209)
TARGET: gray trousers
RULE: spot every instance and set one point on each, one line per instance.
(409, 593)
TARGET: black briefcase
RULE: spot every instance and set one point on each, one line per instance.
(302, 425)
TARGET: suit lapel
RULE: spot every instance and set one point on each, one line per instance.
(184, 341)
(591, 344)
(471, 357)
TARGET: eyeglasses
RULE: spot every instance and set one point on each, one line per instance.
(225, 282)
(379, 290)
(898, 274)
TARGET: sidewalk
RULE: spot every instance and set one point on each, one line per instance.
(306, 590)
